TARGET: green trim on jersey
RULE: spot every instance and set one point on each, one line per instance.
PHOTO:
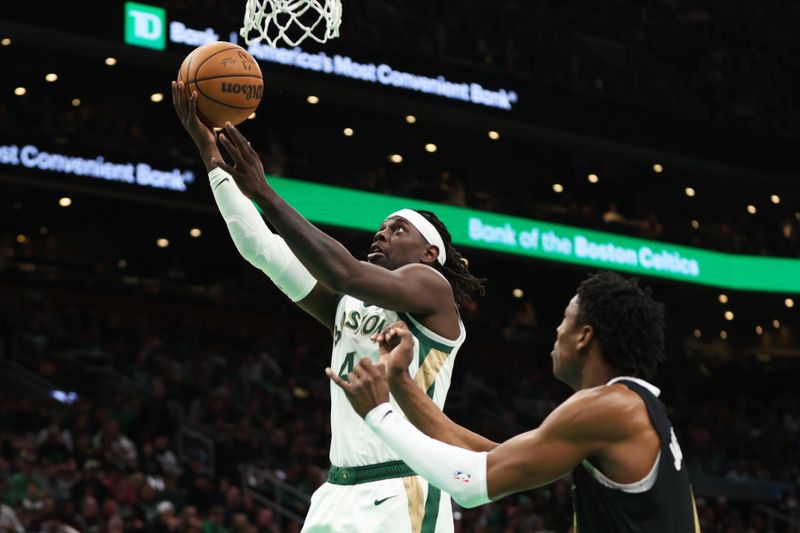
(431, 343)
(431, 510)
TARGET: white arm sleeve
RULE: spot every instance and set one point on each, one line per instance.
(458, 472)
(255, 242)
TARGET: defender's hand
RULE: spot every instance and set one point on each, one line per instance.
(366, 386)
(247, 170)
(186, 107)
(396, 348)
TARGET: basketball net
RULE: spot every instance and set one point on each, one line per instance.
(291, 21)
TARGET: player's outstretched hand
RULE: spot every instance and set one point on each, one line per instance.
(247, 170)
(366, 386)
(186, 107)
(396, 348)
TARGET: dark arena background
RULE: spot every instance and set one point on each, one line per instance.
(152, 380)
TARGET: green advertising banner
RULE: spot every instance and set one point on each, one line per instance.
(361, 210)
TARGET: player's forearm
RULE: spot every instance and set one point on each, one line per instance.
(323, 256)
(254, 240)
(426, 415)
(460, 473)
(207, 153)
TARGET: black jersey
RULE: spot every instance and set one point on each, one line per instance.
(666, 507)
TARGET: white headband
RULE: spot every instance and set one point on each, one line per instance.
(427, 230)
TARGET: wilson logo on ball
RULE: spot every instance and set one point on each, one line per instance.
(249, 90)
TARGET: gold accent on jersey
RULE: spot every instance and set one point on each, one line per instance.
(694, 511)
(416, 502)
(426, 375)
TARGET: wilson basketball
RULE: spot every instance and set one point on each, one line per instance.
(227, 79)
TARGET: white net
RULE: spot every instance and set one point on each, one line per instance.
(291, 21)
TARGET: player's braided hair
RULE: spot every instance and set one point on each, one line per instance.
(628, 322)
(455, 268)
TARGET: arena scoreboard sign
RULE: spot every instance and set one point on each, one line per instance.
(361, 210)
(149, 27)
(29, 156)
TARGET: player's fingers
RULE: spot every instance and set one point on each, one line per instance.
(230, 147)
(244, 146)
(224, 166)
(365, 363)
(362, 369)
(401, 332)
(235, 136)
(336, 379)
(178, 100)
(399, 325)
(192, 105)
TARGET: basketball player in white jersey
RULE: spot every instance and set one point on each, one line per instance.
(412, 273)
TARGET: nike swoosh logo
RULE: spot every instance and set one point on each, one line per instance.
(378, 502)
(221, 182)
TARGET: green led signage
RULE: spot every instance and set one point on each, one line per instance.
(145, 26)
(553, 242)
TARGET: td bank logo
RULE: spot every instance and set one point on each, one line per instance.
(145, 26)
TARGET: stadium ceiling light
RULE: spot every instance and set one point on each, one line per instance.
(689, 192)
(195, 232)
(411, 119)
(76, 102)
(593, 178)
(723, 298)
(696, 224)
(348, 132)
(775, 199)
(21, 238)
(723, 334)
(162, 242)
(5, 41)
(728, 315)
(759, 330)
(396, 158)
(430, 147)
(111, 61)
(658, 168)
(43, 230)
(312, 99)
(493, 135)
(752, 209)
(776, 323)
(122, 264)
(518, 293)
(797, 215)
(788, 302)
(557, 187)
(156, 97)
(697, 333)
(65, 201)
(20, 91)
(51, 77)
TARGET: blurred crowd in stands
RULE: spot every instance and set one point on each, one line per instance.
(133, 412)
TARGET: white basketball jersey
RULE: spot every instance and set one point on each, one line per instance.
(353, 443)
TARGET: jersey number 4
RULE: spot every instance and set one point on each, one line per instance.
(347, 365)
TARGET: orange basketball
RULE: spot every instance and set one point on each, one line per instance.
(227, 79)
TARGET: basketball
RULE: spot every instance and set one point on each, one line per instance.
(227, 79)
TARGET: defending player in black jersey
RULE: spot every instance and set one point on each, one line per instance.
(613, 433)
